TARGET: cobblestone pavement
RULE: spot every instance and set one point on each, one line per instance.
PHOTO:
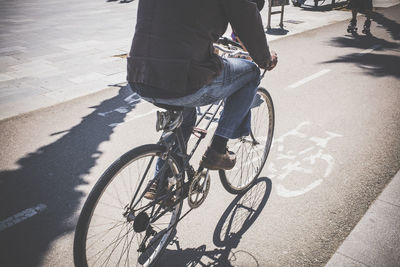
(52, 51)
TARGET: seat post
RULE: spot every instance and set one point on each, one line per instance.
(179, 138)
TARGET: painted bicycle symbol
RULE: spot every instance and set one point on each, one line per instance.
(302, 162)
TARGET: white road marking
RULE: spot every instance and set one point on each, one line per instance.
(322, 142)
(135, 117)
(291, 164)
(21, 216)
(309, 78)
(132, 100)
(370, 50)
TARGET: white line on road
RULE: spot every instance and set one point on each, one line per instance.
(309, 78)
(370, 50)
(21, 216)
(135, 117)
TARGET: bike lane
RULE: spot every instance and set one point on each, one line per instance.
(339, 115)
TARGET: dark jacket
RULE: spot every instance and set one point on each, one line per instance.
(172, 49)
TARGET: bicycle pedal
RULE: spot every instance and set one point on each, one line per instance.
(199, 133)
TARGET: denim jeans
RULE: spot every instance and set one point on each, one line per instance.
(236, 85)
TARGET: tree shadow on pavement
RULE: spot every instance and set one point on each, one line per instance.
(363, 42)
(235, 221)
(51, 175)
(373, 64)
(121, 1)
(390, 25)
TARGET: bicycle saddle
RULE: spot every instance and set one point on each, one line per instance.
(168, 107)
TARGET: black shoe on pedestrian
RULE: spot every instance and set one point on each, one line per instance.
(367, 27)
(352, 28)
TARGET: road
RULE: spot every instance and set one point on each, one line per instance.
(336, 146)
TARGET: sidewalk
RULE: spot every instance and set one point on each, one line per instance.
(375, 241)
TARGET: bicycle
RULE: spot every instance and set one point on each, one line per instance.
(116, 214)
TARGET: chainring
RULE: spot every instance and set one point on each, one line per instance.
(198, 189)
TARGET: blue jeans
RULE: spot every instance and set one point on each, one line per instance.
(237, 85)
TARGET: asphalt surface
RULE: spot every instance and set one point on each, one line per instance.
(336, 147)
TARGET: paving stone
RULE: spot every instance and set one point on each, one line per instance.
(37, 68)
(7, 61)
(116, 78)
(16, 94)
(20, 82)
(12, 49)
(77, 90)
(112, 67)
(5, 77)
(81, 45)
(51, 83)
(91, 76)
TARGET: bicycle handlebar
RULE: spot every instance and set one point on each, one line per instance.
(226, 41)
(231, 52)
(223, 42)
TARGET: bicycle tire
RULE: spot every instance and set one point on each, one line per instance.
(87, 222)
(234, 181)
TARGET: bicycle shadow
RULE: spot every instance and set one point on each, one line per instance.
(238, 217)
(52, 175)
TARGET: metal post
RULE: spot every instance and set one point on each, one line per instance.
(282, 9)
(269, 15)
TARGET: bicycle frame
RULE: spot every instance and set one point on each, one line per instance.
(180, 151)
(181, 144)
(167, 140)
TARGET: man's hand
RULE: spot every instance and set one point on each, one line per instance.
(274, 61)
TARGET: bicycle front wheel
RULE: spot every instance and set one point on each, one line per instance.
(117, 225)
(251, 151)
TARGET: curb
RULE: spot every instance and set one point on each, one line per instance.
(375, 240)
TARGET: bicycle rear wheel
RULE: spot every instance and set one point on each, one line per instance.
(251, 151)
(117, 225)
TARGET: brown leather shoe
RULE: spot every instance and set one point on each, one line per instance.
(151, 194)
(216, 161)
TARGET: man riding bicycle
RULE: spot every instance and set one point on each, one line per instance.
(172, 62)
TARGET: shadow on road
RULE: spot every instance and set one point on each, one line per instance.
(235, 221)
(372, 64)
(278, 31)
(120, 1)
(390, 25)
(363, 42)
(324, 8)
(51, 175)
